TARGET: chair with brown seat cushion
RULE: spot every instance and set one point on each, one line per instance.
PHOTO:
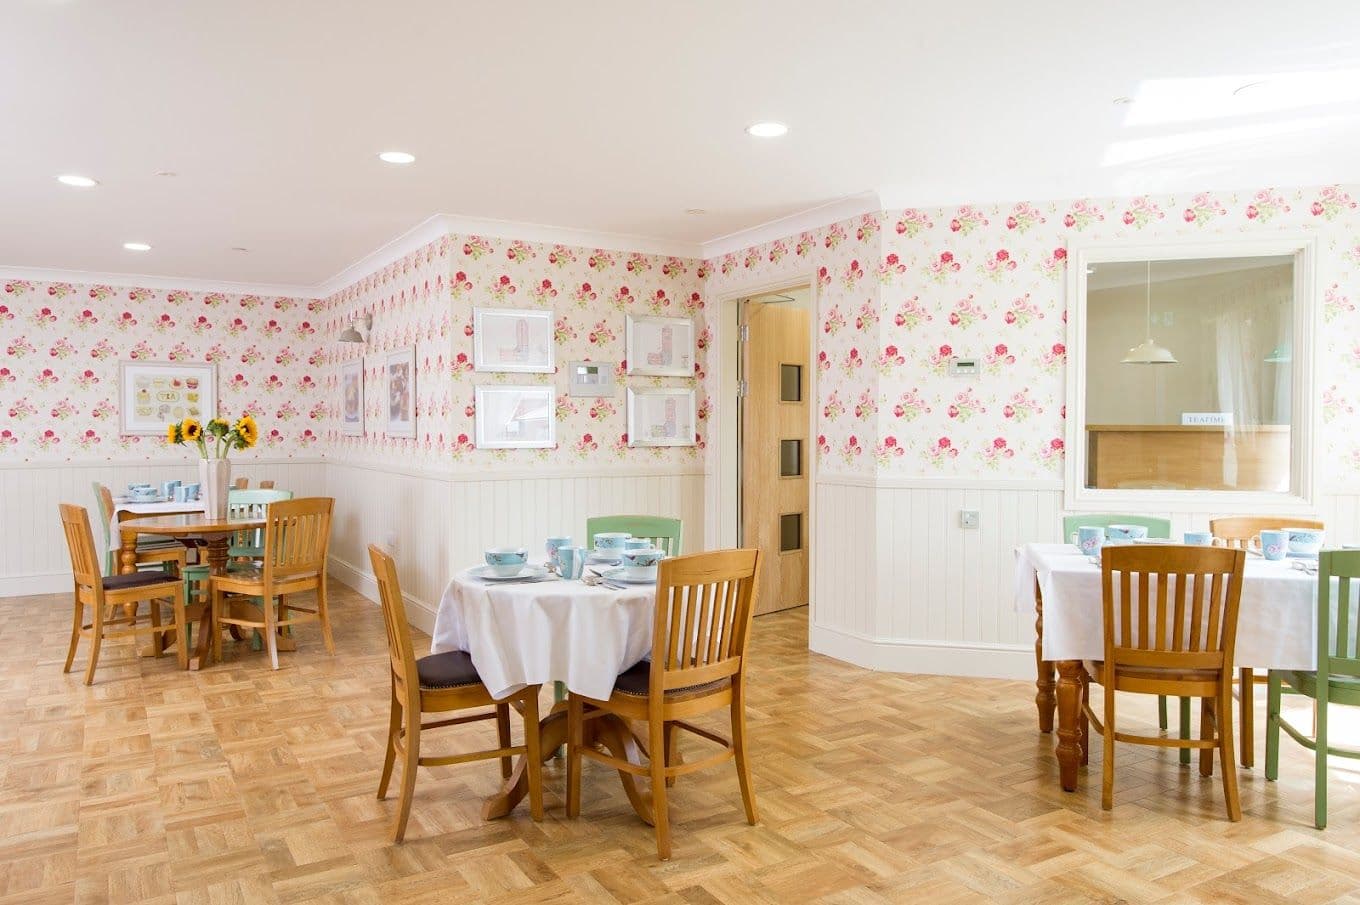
(702, 623)
(1170, 626)
(1244, 531)
(441, 683)
(100, 593)
(293, 561)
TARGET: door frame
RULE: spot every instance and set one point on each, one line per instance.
(722, 503)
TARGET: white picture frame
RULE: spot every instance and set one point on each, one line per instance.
(660, 346)
(516, 417)
(152, 395)
(352, 398)
(399, 371)
(661, 416)
(513, 340)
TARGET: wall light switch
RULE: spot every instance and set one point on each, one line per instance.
(590, 378)
(969, 518)
(964, 367)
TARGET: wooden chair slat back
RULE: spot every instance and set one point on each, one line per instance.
(240, 484)
(1179, 602)
(399, 648)
(1338, 628)
(75, 523)
(704, 606)
(296, 536)
(1243, 531)
(664, 533)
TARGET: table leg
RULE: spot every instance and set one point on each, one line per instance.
(216, 555)
(608, 730)
(1069, 717)
(1044, 699)
(1247, 679)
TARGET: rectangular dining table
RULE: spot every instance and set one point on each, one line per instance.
(1276, 629)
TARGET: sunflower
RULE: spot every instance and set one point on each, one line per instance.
(192, 430)
(172, 434)
(247, 430)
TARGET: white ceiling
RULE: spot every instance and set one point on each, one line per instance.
(616, 116)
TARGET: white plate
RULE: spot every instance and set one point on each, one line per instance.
(620, 574)
(528, 572)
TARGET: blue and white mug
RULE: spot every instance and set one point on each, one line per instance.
(1274, 544)
(1090, 539)
(553, 544)
(1199, 538)
(571, 562)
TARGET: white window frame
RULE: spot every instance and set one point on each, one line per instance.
(1301, 496)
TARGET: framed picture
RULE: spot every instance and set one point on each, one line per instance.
(662, 416)
(516, 417)
(507, 339)
(401, 392)
(660, 346)
(154, 394)
(352, 398)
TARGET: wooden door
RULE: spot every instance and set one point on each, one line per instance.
(775, 450)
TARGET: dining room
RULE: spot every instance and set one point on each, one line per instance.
(779, 500)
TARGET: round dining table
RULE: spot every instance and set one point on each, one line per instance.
(216, 533)
(552, 630)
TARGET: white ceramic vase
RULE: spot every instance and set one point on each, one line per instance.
(215, 477)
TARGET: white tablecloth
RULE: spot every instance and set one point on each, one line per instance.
(116, 536)
(1276, 621)
(549, 631)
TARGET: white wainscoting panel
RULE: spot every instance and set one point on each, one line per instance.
(33, 557)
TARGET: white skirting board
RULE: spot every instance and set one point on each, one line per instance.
(418, 613)
(939, 658)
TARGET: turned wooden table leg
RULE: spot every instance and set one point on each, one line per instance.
(1069, 717)
(216, 554)
(1247, 679)
(127, 554)
(1044, 699)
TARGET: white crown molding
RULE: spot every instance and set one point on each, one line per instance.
(812, 218)
(151, 281)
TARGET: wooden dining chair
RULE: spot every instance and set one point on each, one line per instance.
(266, 485)
(293, 561)
(1170, 626)
(163, 553)
(100, 592)
(249, 544)
(704, 605)
(240, 484)
(664, 533)
(443, 683)
(1245, 532)
(1335, 681)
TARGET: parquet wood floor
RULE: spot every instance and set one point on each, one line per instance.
(238, 784)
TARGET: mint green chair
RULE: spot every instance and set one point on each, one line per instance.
(1336, 681)
(664, 533)
(247, 504)
(1158, 528)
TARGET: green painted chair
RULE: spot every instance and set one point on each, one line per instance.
(664, 533)
(245, 504)
(1336, 681)
(1157, 528)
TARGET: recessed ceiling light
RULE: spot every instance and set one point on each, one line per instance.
(1248, 87)
(166, 173)
(136, 246)
(397, 157)
(1120, 101)
(239, 248)
(80, 182)
(695, 211)
(767, 129)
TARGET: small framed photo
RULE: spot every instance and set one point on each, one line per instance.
(661, 416)
(401, 392)
(660, 346)
(352, 398)
(154, 394)
(516, 417)
(514, 340)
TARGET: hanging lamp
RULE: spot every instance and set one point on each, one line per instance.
(1148, 352)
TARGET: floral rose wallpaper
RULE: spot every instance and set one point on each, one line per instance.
(62, 343)
(903, 291)
(427, 299)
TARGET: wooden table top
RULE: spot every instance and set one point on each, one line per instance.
(196, 523)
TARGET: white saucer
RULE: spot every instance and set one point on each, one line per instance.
(610, 557)
(528, 572)
(620, 574)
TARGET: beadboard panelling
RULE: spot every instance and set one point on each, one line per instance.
(33, 558)
(438, 523)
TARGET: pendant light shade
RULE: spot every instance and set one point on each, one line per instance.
(1148, 352)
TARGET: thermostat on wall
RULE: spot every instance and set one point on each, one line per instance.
(963, 367)
(590, 378)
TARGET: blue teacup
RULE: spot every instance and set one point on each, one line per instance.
(168, 489)
(611, 541)
(552, 544)
(1125, 532)
(506, 562)
(571, 561)
(637, 543)
(190, 492)
(641, 563)
(1303, 541)
(1199, 538)
(1090, 539)
(1274, 544)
